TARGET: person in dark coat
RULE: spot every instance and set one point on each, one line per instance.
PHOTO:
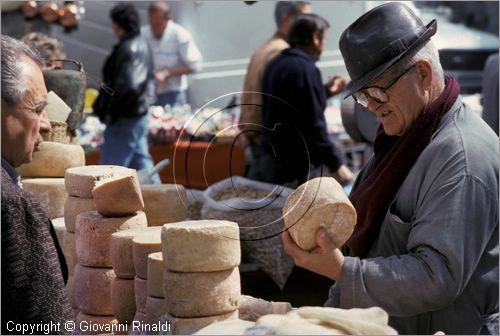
(34, 271)
(295, 142)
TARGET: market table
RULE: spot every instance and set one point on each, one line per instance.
(194, 164)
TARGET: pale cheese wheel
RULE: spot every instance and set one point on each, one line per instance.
(144, 244)
(95, 325)
(188, 326)
(69, 250)
(81, 180)
(155, 308)
(201, 246)
(118, 196)
(156, 267)
(164, 203)
(229, 327)
(92, 286)
(59, 227)
(123, 300)
(74, 206)
(49, 192)
(202, 294)
(52, 160)
(93, 235)
(141, 294)
(70, 290)
(320, 202)
(121, 251)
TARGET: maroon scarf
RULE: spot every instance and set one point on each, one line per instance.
(394, 157)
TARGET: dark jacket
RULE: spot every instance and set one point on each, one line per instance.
(33, 266)
(295, 131)
(128, 71)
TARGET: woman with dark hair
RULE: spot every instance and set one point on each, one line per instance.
(128, 71)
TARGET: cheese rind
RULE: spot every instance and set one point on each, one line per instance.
(155, 308)
(52, 160)
(188, 326)
(80, 181)
(49, 192)
(320, 202)
(156, 267)
(164, 203)
(201, 294)
(144, 244)
(118, 196)
(70, 290)
(93, 235)
(74, 206)
(123, 299)
(92, 286)
(141, 294)
(201, 246)
(69, 250)
(121, 251)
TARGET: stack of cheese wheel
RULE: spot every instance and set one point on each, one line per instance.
(122, 286)
(201, 281)
(43, 177)
(143, 245)
(115, 192)
(164, 203)
(79, 182)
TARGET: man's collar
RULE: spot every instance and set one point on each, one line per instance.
(11, 171)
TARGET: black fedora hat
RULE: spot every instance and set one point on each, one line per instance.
(378, 39)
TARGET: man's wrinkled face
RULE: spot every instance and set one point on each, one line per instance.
(22, 123)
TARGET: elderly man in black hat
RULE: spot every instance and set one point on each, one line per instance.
(425, 246)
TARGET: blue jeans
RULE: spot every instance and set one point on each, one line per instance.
(126, 144)
(171, 98)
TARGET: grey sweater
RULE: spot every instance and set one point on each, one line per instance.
(434, 265)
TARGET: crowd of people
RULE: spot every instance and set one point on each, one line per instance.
(425, 245)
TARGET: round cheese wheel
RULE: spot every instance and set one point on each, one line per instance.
(188, 326)
(201, 294)
(121, 251)
(93, 235)
(70, 291)
(123, 300)
(59, 227)
(92, 286)
(74, 206)
(164, 203)
(141, 294)
(320, 202)
(201, 246)
(50, 192)
(95, 325)
(144, 244)
(155, 308)
(80, 181)
(52, 160)
(156, 267)
(123, 188)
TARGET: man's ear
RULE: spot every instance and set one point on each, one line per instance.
(426, 75)
(316, 39)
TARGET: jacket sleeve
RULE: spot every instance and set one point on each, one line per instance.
(189, 52)
(447, 238)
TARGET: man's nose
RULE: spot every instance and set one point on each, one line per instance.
(44, 121)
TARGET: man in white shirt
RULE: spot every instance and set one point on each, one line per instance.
(175, 55)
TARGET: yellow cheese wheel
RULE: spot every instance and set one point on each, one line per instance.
(320, 202)
(52, 160)
(122, 252)
(201, 246)
(50, 192)
(92, 286)
(123, 188)
(123, 300)
(74, 206)
(93, 235)
(201, 294)
(80, 181)
(164, 203)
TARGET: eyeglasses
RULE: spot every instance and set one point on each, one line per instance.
(377, 93)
